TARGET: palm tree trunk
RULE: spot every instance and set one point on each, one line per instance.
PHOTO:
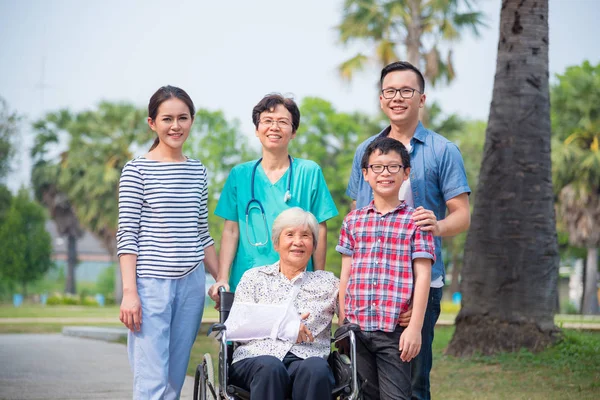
(413, 35)
(70, 286)
(590, 287)
(510, 266)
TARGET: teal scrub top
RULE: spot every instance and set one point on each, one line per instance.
(309, 192)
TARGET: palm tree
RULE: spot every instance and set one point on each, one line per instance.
(576, 166)
(510, 271)
(99, 145)
(44, 178)
(419, 31)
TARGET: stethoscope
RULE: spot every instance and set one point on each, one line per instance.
(255, 203)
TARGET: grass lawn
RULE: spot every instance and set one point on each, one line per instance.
(569, 370)
(39, 311)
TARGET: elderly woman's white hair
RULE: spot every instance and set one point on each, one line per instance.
(293, 218)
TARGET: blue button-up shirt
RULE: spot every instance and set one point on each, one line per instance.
(437, 175)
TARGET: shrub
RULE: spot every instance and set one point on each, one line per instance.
(106, 283)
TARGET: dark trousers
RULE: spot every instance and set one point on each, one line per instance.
(385, 376)
(267, 378)
(421, 365)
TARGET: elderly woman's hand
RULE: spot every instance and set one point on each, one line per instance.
(304, 334)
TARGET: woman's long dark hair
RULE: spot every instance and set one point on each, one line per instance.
(163, 94)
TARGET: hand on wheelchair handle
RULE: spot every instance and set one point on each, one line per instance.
(214, 290)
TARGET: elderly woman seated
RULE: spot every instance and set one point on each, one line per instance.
(282, 313)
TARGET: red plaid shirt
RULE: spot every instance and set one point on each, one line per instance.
(382, 247)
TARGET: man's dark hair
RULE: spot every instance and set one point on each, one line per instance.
(402, 66)
(385, 145)
(270, 102)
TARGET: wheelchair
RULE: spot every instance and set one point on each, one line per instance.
(347, 386)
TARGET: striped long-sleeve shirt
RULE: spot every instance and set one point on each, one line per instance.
(163, 216)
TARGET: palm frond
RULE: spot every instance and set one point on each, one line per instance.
(349, 67)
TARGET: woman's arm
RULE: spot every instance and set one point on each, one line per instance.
(320, 255)
(130, 312)
(131, 197)
(211, 263)
(229, 243)
(344, 278)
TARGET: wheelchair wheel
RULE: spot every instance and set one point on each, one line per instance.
(204, 382)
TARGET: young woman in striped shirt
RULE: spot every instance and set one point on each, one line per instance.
(164, 246)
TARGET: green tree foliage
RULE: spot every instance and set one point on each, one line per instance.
(44, 178)
(8, 131)
(99, 143)
(5, 201)
(419, 31)
(330, 138)
(25, 245)
(575, 116)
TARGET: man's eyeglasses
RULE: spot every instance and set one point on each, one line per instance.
(392, 168)
(281, 123)
(405, 93)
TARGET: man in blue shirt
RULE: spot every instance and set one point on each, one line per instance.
(437, 181)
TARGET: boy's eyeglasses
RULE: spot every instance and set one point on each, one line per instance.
(392, 168)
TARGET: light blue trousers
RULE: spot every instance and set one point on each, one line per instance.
(160, 352)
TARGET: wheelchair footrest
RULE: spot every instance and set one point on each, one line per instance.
(238, 391)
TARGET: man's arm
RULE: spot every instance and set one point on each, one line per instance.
(320, 255)
(458, 219)
(229, 243)
(355, 177)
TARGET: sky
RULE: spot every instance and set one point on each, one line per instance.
(227, 54)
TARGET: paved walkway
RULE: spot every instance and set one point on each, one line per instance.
(53, 366)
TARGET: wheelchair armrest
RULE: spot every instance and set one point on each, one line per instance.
(343, 330)
(216, 329)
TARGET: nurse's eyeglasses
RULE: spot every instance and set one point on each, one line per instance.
(281, 123)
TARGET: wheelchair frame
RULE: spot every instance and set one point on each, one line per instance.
(205, 388)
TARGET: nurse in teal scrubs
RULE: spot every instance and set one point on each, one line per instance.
(257, 191)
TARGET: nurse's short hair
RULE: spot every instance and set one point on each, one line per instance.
(292, 218)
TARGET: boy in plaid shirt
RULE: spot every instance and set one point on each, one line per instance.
(386, 268)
